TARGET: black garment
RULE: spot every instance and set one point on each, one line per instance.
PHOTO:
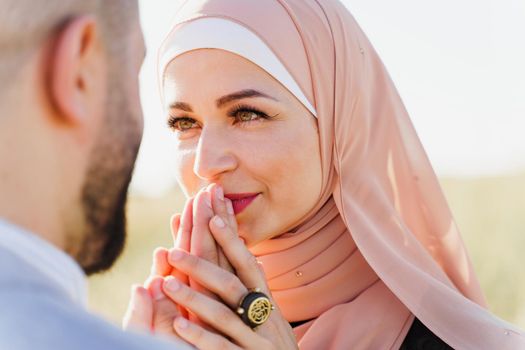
(419, 337)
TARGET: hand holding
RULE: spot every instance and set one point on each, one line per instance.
(228, 330)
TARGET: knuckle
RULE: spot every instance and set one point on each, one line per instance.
(227, 235)
(193, 262)
(266, 344)
(189, 296)
(232, 285)
(222, 208)
(223, 344)
(222, 315)
(198, 335)
(251, 261)
(209, 254)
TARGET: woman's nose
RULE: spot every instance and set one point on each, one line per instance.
(214, 154)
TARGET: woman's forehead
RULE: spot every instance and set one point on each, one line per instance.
(217, 72)
(212, 61)
(229, 36)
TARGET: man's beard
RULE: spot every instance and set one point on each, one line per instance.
(105, 190)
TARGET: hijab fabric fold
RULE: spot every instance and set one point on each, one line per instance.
(381, 246)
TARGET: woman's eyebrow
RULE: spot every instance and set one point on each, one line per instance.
(182, 106)
(225, 99)
(240, 95)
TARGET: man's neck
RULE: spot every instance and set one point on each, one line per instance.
(45, 229)
(29, 202)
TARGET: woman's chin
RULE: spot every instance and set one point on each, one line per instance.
(248, 234)
(252, 237)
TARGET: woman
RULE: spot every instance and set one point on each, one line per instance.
(291, 136)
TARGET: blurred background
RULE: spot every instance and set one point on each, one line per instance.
(458, 66)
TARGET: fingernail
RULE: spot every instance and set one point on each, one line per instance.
(172, 284)
(176, 255)
(181, 322)
(219, 193)
(218, 221)
(229, 208)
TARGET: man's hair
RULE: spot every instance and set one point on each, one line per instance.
(26, 24)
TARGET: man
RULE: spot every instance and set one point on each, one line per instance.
(70, 128)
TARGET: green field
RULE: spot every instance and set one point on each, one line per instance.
(489, 211)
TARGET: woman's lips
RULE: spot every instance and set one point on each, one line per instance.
(241, 200)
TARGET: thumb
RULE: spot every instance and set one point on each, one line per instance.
(165, 310)
(139, 315)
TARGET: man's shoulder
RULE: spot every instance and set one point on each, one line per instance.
(35, 313)
(30, 320)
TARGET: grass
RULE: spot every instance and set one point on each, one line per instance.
(489, 211)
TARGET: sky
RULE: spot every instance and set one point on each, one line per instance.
(459, 67)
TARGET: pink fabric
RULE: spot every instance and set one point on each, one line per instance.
(381, 246)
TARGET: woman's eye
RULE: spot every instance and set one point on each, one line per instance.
(246, 116)
(181, 124)
(241, 116)
(184, 124)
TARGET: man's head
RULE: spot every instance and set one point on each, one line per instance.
(70, 121)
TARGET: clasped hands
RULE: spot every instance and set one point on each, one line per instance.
(195, 288)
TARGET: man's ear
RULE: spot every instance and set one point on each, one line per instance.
(77, 71)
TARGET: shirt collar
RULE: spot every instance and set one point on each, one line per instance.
(55, 264)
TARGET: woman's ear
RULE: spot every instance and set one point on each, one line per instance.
(78, 72)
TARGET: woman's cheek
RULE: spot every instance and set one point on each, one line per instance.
(297, 171)
(184, 171)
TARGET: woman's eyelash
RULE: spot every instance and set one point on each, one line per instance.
(244, 108)
(174, 122)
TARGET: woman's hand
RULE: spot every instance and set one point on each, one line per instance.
(206, 204)
(149, 308)
(194, 236)
(228, 330)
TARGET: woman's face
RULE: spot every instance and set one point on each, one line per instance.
(236, 126)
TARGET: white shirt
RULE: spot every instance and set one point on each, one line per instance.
(59, 267)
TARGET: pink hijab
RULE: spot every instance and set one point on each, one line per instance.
(381, 247)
